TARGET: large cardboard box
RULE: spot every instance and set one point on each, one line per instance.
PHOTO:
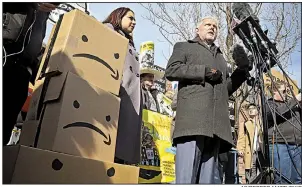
(83, 45)
(77, 118)
(27, 165)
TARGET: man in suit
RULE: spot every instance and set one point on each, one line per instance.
(202, 126)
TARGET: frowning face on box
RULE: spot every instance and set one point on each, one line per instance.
(89, 49)
(79, 119)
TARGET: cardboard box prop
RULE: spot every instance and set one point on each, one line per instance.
(77, 118)
(27, 165)
(83, 45)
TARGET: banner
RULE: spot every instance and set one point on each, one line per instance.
(165, 104)
(146, 58)
(161, 83)
(146, 53)
(157, 154)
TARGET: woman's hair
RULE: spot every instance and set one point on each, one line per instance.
(115, 19)
(277, 85)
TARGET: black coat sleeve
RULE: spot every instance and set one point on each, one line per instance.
(235, 81)
(19, 7)
(178, 70)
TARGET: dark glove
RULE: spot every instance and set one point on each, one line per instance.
(240, 57)
(213, 75)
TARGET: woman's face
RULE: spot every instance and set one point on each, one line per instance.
(128, 22)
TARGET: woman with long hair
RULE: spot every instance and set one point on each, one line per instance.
(127, 150)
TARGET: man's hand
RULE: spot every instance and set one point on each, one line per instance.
(46, 7)
(213, 75)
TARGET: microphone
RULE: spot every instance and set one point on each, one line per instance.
(248, 29)
(243, 10)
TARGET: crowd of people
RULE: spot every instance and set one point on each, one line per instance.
(201, 126)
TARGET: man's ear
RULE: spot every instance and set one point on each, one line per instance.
(196, 30)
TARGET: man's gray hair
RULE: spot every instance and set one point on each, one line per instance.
(207, 17)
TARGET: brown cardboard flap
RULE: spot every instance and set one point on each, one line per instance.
(55, 87)
(29, 131)
(38, 90)
(10, 154)
(36, 166)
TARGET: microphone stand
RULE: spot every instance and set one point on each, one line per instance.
(254, 38)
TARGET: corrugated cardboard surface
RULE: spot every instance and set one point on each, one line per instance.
(89, 49)
(29, 131)
(26, 165)
(9, 159)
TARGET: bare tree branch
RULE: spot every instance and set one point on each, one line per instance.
(177, 21)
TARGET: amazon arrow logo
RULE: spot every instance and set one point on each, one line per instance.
(90, 126)
(84, 55)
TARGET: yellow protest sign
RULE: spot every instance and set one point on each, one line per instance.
(157, 154)
(146, 53)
